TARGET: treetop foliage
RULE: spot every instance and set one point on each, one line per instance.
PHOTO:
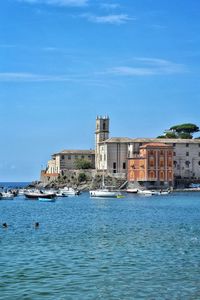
(182, 131)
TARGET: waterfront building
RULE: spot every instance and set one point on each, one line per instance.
(153, 166)
(66, 160)
(114, 153)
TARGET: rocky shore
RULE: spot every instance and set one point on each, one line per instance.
(80, 181)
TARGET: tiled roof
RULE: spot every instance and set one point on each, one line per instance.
(150, 140)
(155, 145)
(79, 152)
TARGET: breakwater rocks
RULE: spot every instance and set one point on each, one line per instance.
(81, 180)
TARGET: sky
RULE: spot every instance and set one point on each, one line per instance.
(63, 62)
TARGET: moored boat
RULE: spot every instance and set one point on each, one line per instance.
(68, 191)
(6, 196)
(104, 193)
(145, 192)
(39, 194)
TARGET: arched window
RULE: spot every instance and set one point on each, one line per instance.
(161, 175)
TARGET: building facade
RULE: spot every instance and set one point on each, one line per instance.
(66, 160)
(114, 153)
(153, 166)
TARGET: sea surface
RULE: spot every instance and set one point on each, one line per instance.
(132, 248)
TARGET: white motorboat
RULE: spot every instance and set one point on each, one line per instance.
(104, 193)
(67, 191)
(160, 193)
(6, 196)
(59, 194)
(145, 192)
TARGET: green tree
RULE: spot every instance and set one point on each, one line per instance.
(182, 131)
(82, 163)
(82, 177)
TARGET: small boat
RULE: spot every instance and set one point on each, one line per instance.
(160, 193)
(6, 196)
(120, 196)
(104, 193)
(67, 191)
(132, 191)
(46, 199)
(39, 194)
(145, 192)
(59, 194)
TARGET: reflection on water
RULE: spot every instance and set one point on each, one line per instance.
(130, 248)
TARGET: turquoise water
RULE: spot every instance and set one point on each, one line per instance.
(131, 248)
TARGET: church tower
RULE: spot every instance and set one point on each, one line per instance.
(101, 134)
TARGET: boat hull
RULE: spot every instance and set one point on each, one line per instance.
(104, 194)
(132, 191)
(36, 196)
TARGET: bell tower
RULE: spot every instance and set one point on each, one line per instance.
(101, 134)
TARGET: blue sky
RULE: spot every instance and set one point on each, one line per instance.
(62, 62)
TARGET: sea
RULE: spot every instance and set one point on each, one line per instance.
(134, 247)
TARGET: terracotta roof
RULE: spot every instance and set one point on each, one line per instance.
(156, 145)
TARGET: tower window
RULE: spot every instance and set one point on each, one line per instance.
(124, 165)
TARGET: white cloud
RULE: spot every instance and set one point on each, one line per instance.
(130, 71)
(148, 67)
(58, 2)
(108, 19)
(30, 77)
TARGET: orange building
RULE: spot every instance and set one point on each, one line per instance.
(153, 165)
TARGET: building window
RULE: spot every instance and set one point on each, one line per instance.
(82, 156)
(161, 152)
(187, 163)
(62, 157)
(175, 163)
(124, 166)
(151, 162)
(187, 153)
(114, 165)
(104, 126)
(174, 144)
(170, 163)
(69, 157)
(174, 153)
(89, 156)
